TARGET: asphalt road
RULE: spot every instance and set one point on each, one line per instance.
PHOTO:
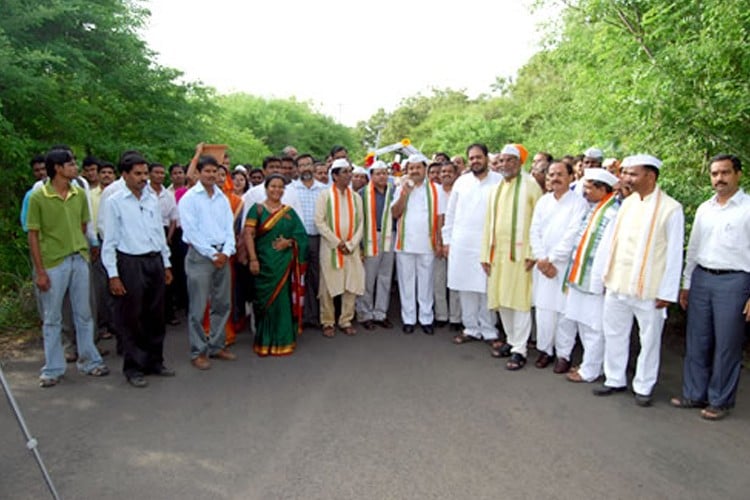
(380, 415)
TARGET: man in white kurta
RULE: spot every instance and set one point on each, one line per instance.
(553, 229)
(642, 277)
(584, 305)
(418, 207)
(464, 222)
(338, 217)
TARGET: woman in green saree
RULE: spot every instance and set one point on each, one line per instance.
(276, 244)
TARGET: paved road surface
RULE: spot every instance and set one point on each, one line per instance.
(377, 416)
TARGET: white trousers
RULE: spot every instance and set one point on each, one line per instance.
(478, 321)
(415, 286)
(373, 304)
(555, 334)
(618, 322)
(593, 351)
(517, 326)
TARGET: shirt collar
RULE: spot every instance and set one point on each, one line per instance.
(50, 192)
(736, 198)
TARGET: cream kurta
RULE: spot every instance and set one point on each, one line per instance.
(553, 230)
(509, 283)
(350, 278)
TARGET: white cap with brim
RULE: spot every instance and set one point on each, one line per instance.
(417, 158)
(594, 153)
(340, 163)
(600, 175)
(510, 149)
(378, 165)
(641, 159)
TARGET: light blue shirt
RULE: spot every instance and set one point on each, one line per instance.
(307, 198)
(207, 221)
(133, 227)
(25, 209)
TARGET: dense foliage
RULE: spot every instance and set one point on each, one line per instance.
(670, 78)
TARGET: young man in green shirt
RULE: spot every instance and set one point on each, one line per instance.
(58, 213)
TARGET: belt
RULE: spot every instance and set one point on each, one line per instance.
(718, 271)
(149, 255)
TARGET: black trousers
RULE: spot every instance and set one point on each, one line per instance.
(311, 311)
(178, 288)
(139, 314)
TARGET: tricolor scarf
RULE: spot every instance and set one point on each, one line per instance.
(432, 213)
(644, 253)
(370, 240)
(334, 221)
(579, 267)
(518, 215)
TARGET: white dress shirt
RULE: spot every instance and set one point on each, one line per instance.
(134, 228)
(109, 191)
(720, 238)
(207, 221)
(167, 205)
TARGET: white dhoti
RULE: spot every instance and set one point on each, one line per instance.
(618, 322)
(517, 326)
(478, 321)
(415, 286)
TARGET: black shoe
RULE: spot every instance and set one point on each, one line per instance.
(137, 381)
(369, 325)
(164, 372)
(408, 328)
(605, 390)
(385, 323)
(428, 329)
(456, 327)
(440, 324)
(643, 400)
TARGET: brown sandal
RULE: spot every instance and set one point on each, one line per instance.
(329, 332)
(462, 338)
(574, 376)
(349, 330)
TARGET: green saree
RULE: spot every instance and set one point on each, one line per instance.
(278, 311)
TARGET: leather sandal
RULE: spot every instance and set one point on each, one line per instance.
(516, 362)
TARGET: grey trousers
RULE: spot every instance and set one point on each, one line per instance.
(373, 305)
(715, 333)
(207, 285)
(447, 302)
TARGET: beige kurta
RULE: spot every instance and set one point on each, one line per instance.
(351, 277)
(509, 283)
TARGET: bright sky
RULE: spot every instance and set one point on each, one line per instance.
(348, 57)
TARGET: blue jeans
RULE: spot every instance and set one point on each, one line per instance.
(72, 275)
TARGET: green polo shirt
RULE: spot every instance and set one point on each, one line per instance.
(59, 222)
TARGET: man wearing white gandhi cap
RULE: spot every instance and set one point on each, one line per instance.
(642, 277)
(584, 304)
(506, 252)
(418, 207)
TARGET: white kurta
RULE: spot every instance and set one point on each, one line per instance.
(554, 227)
(462, 230)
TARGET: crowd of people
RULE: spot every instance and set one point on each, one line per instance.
(576, 247)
